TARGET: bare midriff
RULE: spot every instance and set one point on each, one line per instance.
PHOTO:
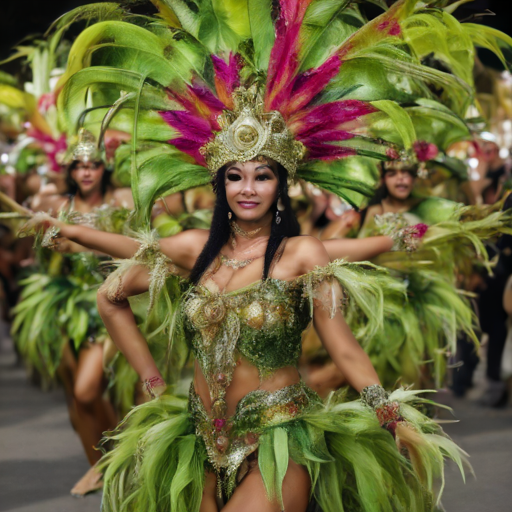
(245, 379)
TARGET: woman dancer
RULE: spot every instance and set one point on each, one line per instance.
(249, 99)
(77, 350)
(254, 433)
(243, 313)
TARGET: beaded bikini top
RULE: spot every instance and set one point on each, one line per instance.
(262, 322)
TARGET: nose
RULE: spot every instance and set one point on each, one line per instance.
(248, 188)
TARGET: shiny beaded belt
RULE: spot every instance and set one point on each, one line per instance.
(229, 441)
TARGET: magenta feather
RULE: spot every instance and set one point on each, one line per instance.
(54, 148)
(197, 122)
(227, 78)
(329, 152)
(284, 62)
(324, 136)
(191, 148)
(329, 116)
(189, 125)
(198, 100)
(195, 132)
(310, 83)
(318, 145)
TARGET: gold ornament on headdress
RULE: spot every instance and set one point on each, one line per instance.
(86, 149)
(248, 132)
(408, 161)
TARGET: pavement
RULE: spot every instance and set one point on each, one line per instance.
(486, 435)
(41, 456)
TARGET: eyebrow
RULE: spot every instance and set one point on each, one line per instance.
(259, 168)
(263, 167)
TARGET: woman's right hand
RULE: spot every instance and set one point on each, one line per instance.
(52, 229)
(40, 222)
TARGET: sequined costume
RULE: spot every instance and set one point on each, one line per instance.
(58, 300)
(421, 329)
(163, 448)
(317, 88)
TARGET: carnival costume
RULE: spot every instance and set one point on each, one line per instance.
(204, 85)
(420, 333)
(58, 299)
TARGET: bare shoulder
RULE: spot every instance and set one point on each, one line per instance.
(307, 251)
(185, 247)
(373, 210)
(123, 197)
(48, 203)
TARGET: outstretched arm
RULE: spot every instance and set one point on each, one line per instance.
(117, 246)
(183, 248)
(113, 244)
(358, 249)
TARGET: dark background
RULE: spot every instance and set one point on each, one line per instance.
(21, 18)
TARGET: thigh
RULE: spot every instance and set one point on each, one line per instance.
(250, 495)
(89, 375)
(209, 502)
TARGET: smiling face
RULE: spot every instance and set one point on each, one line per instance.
(251, 189)
(399, 183)
(88, 176)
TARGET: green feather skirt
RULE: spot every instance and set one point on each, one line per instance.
(162, 450)
(57, 305)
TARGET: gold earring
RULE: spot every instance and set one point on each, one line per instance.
(230, 215)
(280, 205)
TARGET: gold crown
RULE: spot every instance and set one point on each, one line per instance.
(248, 132)
(86, 149)
(408, 162)
(405, 160)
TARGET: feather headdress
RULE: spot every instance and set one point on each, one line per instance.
(337, 93)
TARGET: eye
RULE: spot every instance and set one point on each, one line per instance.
(263, 177)
(234, 177)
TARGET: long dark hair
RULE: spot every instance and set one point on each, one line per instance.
(220, 230)
(72, 185)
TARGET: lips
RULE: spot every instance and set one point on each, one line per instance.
(248, 204)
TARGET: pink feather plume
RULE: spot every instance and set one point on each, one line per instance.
(284, 62)
(197, 122)
(327, 117)
(227, 78)
(195, 132)
(54, 148)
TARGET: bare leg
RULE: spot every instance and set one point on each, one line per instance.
(209, 503)
(94, 413)
(250, 495)
(67, 372)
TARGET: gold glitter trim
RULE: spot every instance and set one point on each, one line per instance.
(86, 149)
(248, 132)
